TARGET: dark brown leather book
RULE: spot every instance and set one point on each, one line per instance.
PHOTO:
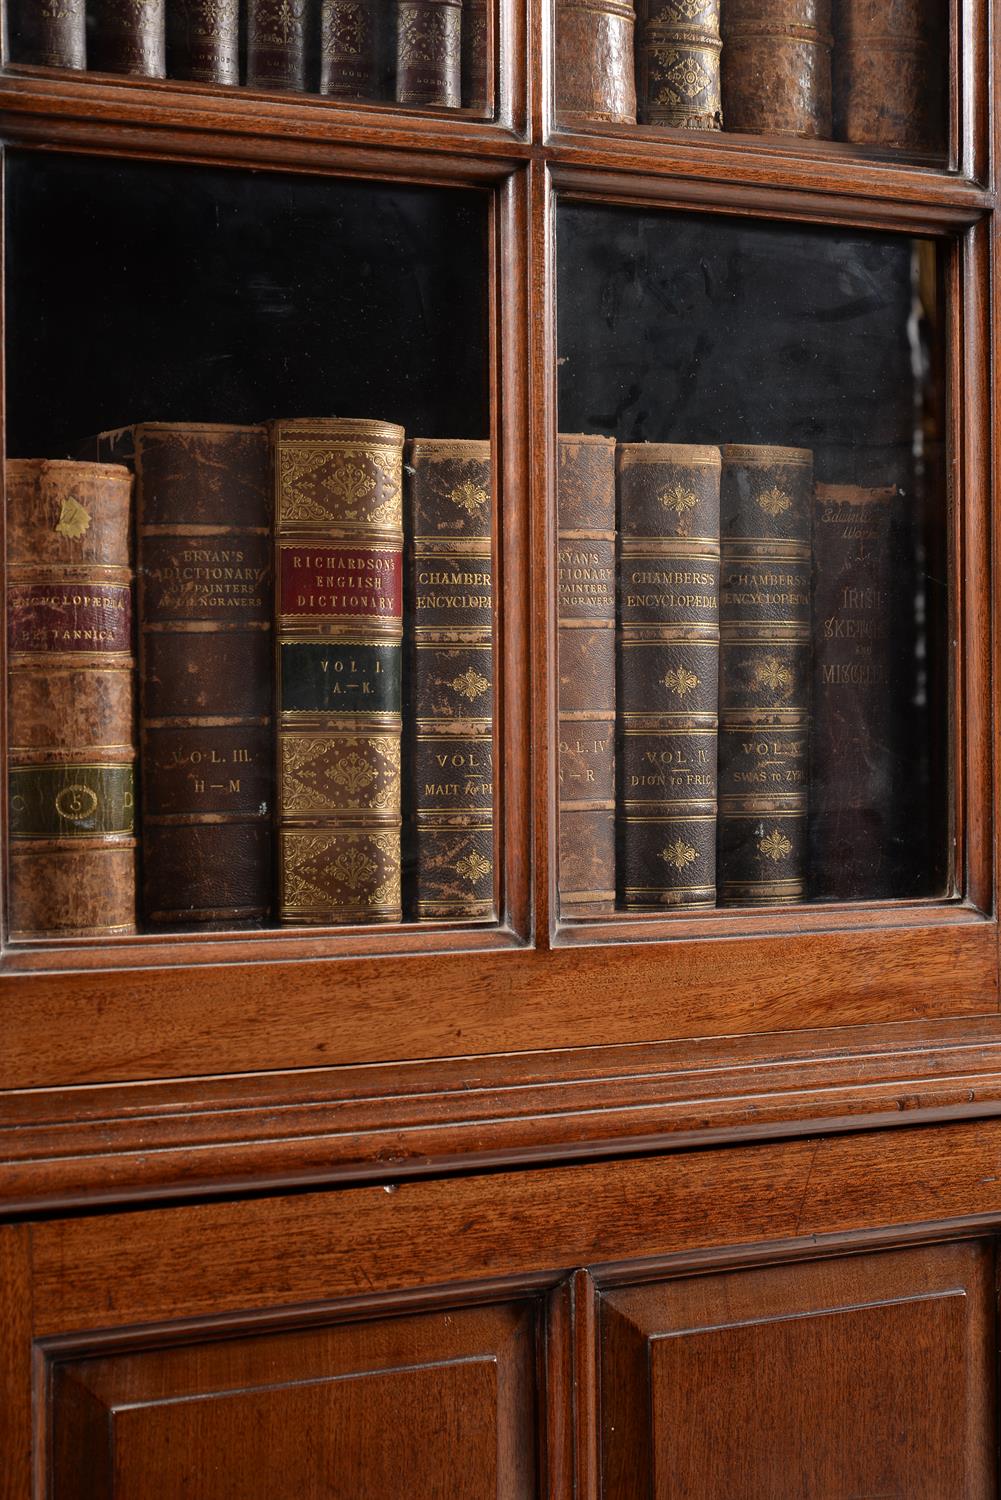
(451, 697)
(203, 40)
(585, 499)
(339, 572)
(595, 73)
(668, 565)
(886, 75)
(48, 33)
(429, 52)
(475, 54)
(277, 44)
(776, 67)
(128, 36)
(72, 844)
(764, 705)
(678, 54)
(349, 49)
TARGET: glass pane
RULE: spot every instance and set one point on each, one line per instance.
(180, 367)
(752, 563)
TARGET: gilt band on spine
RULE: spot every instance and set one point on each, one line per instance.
(668, 565)
(595, 69)
(679, 64)
(339, 577)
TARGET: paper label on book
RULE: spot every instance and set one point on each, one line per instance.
(69, 617)
(340, 581)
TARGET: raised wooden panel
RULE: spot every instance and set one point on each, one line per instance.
(429, 1406)
(867, 1376)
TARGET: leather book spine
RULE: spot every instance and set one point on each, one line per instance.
(678, 57)
(203, 524)
(339, 569)
(277, 44)
(203, 40)
(776, 67)
(348, 49)
(72, 844)
(884, 86)
(129, 36)
(429, 53)
(668, 566)
(451, 698)
(764, 709)
(585, 501)
(595, 70)
(475, 55)
(48, 33)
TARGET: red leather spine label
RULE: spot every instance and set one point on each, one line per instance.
(340, 581)
(69, 617)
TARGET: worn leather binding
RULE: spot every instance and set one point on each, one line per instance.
(451, 698)
(885, 90)
(348, 49)
(585, 500)
(277, 44)
(595, 70)
(203, 40)
(128, 36)
(339, 570)
(668, 567)
(764, 708)
(429, 52)
(678, 64)
(72, 844)
(475, 54)
(48, 33)
(776, 67)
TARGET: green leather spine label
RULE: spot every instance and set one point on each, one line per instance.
(74, 801)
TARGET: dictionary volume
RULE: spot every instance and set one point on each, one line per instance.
(277, 37)
(668, 674)
(764, 711)
(429, 52)
(776, 67)
(595, 70)
(585, 498)
(48, 33)
(72, 845)
(128, 36)
(451, 681)
(678, 58)
(203, 40)
(339, 576)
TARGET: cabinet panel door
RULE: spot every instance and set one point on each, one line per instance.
(427, 1406)
(864, 1376)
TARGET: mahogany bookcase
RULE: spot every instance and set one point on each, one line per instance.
(674, 1205)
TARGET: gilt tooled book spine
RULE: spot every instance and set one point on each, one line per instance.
(764, 710)
(348, 49)
(277, 44)
(203, 525)
(678, 57)
(886, 85)
(72, 844)
(203, 40)
(475, 54)
(429, 52)
(668, 677)
(451, 695)
(129, 36)
(595, 69)
(339, 570)
(48, 33)
(776, 67)
(585, 499)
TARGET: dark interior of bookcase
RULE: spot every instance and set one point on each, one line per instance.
(688, 328)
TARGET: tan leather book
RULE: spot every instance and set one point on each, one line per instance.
(594, 70)
(129, 36)
(668, 674)
(72, 844)
(585, 499)
(429, 53)
(339, 586)
(678, 52)
(48, 35)
(203, 40)
(776, 67)
(451, 692)
(764, 709)
(888, 74)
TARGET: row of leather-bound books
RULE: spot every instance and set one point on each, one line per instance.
(287, 750)
(418, 52)
(726, 650)
(870, 72)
